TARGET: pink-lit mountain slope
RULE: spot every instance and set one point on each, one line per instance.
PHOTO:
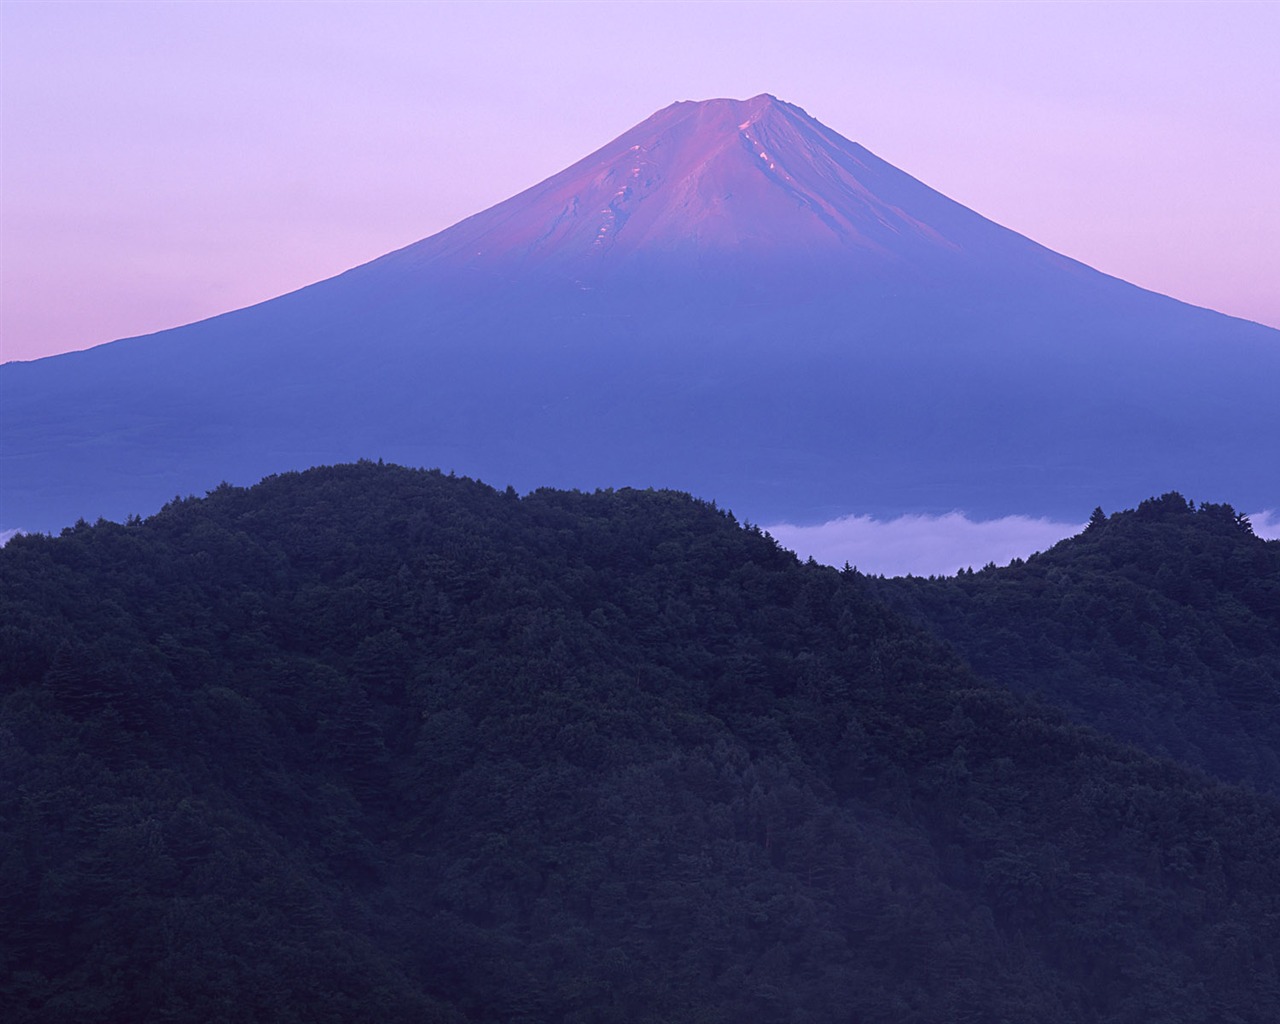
(720, 187)
(756, 179)
(731, 299)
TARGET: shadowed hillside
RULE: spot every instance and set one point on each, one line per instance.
(367, 743)
(1159, 625)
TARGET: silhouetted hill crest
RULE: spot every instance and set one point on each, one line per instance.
(372, 743)
(1159, 625)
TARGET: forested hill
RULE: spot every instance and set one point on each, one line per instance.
(367, 743)
(1159, 625)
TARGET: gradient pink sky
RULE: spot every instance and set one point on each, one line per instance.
(163, 162)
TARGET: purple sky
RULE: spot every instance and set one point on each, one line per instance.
(165, 162)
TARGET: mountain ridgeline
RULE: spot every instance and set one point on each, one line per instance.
(367, 743)
(731, 299)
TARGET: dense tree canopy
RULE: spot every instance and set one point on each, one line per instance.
(1160, 626)
(366, 743)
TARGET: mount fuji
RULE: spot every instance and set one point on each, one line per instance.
(731, 299)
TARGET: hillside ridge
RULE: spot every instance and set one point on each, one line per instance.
(375, 743)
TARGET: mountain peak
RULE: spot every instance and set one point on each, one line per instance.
(726, 117)
(729, 298)
(750, 108)
(709, 184)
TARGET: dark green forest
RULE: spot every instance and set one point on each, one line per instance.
(375, 744)
(1160, 626)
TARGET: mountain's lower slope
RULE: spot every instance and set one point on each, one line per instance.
(1160, 626)
(372, 744)
(731, 299)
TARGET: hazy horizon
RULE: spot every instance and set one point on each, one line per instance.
(924, 545)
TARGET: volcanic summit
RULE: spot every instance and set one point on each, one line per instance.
(730, 298)
(755, 178)
(718, 188)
